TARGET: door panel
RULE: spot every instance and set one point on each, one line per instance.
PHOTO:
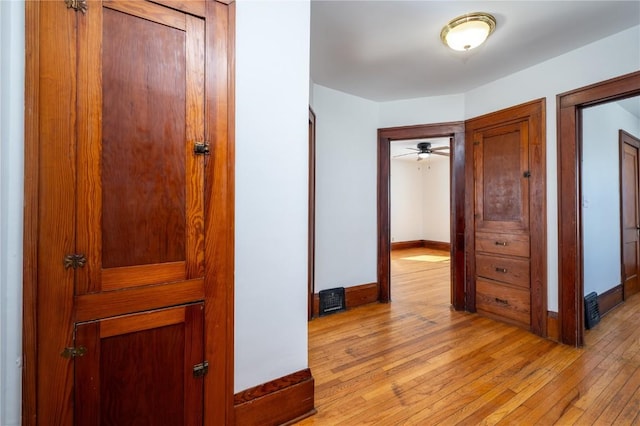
(630, 215)
(143, 142)
(502, 189)
(144, 217)
(138, 369)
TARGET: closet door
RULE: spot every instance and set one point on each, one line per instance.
(126, 221)
(140, 180)
(133, 371)
(501, 157)
(140, 230)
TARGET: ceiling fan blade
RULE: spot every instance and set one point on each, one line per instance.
(439, 148)
(402, 155)
(445, 154)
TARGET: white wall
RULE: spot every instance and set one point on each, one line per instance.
(437, 109)
(272, 104)
(346, 169)
(407, 204)
(601, 193)
(420, 203)
(11, 200)
(436, 202)
(610, 57)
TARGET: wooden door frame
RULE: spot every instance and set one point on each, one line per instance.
(626, 138)
(454, 131)
(570, 258)
(59, 127)
(311, 244)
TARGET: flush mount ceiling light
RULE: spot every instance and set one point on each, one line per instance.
(468, 31)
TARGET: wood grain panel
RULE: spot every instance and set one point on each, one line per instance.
(150, 11)
(134, 276)
(504, 244)
(56, 193)
(148, 387)
(510, 303)
(508, 269)
(140, 369)
(140, 322)
(219, 212)
(195, 66)
(112, 303)
(143, 150)
(31, 203)
(193, 7)
(501, 159)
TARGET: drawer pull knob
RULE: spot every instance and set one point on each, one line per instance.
(503, 270)
(501, 243)
(502, 301)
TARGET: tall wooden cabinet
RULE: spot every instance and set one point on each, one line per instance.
(128, 272)
(508, 256)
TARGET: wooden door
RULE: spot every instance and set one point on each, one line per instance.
(140, 213)
(630, 214)
(133, 371)
(128, 262)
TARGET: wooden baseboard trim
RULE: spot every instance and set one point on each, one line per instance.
(280, 401)
(355, 296)
(610, 299)
(401, 245)
(434, 245)
(553, 326)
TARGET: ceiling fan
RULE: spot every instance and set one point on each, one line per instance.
(424, 150)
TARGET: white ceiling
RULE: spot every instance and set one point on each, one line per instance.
(389, 50)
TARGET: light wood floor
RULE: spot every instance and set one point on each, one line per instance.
(417, 362)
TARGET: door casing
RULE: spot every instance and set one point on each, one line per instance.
(454, 131)
(569, 106)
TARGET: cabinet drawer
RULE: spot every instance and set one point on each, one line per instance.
(503, 301)
(509, 244)
(512, 270)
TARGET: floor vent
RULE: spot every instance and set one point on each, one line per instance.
(331, 301)
(591, 310)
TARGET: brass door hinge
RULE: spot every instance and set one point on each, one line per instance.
(77, 5)
(201, 148)
(74, 261)
(200, 370)
(73, 352)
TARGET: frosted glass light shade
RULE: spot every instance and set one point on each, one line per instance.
(468, 31)
(422, 155)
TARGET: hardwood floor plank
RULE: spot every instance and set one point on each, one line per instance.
(415, 361)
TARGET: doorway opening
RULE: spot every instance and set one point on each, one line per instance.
(609, 202)
(420, 218)
(455, 133)
(570, 244)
